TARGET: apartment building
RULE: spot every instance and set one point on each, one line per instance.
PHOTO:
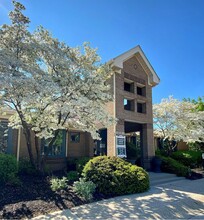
(132, 136)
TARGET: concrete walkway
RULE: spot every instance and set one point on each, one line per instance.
(183, 199)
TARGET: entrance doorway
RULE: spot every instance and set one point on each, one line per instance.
(101, 145)
(133, 142)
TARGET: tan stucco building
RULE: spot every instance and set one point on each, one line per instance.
(132, 136)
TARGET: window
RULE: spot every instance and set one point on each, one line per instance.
(58, 147)
(129, 86)
(141, 107)
(6, 142)
(141, 90)
(75, 137)
(128, 104)
(3, 137)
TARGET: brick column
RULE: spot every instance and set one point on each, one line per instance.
(147, 142)
(111, 141)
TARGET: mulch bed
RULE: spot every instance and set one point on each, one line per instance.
(34, 197)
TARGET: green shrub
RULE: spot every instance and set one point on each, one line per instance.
(162, 152)
(8, 169)
(58, 184)
(133, 151)
(84, 188)
(72, 175)
(188, 158)
(114, 176)
(25, 167)
(170, 165)
(80, 163)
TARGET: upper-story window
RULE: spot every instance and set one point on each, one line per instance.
(141, 107)
(129, 104)
(141, 90)
(128, 85)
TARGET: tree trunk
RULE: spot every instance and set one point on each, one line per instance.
(53, 139)
(27, 134)
(37, 149)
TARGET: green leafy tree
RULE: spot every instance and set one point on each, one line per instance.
(199, 102)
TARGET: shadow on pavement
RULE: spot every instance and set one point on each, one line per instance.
(163, 202)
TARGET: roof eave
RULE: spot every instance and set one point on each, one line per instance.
(119, 60)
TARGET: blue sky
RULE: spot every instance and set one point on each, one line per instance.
(170, 32)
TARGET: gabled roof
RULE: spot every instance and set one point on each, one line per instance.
(118, 61)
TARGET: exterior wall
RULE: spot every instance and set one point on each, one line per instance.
(137, 75)
(14, 141)
(148, 145)
(111, 141)
(132, 70)
(23, 151)
(111, 129)
(85, 147)
(182, 146)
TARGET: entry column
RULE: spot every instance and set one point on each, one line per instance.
(147, 142)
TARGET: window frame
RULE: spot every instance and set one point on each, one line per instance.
(72, 133)
(143, 107)
(143, 89)
(131, 85)
(132, 104)
(63, 147)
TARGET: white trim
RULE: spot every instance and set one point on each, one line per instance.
(140, 85)
(128, 98)
(128, 80)
(141, 101)
(119, 60)
(138, 122)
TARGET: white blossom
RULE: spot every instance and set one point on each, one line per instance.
(178, 120)
(50, 85)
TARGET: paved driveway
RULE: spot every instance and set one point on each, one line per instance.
(183, 199)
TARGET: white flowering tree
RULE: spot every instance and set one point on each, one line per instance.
(178, 120)
(50, 85)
